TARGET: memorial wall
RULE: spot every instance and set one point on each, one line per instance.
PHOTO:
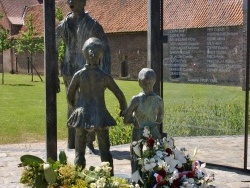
(204, 55)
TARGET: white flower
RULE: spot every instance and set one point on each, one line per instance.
(180, 156)
(92, 185)
(146, 132)
(101, 183)
(97, 169)
(107, 169)
(169, 158)
(175, 175)
(188, 183)
(149, 164)
(137, 149)
(173, 164)
(168, 142)
(105, 164)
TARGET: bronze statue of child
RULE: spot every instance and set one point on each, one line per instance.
(90, 112)
(145, 110)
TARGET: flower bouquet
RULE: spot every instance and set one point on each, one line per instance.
(161, 164)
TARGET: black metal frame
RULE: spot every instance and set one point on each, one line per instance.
(247, 88)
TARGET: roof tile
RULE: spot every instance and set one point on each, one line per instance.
(131, 15)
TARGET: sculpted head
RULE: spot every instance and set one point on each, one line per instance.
(76, 5)
(92, 50)
(147, 78)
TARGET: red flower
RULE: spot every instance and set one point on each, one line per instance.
(190, 175)
(181, 169)
(162, 173)
(150, 142)
(169, 151)
(176, 183)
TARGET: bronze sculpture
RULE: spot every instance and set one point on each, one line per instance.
(74, 30)
(144, 110)
(90, 112)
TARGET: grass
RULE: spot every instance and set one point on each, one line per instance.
(22, 108)
(203, 110)
(190, 109)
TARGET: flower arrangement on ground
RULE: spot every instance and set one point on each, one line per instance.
(53, 174)
(161, 164)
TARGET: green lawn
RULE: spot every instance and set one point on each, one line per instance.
(22, 108)
(187, 106)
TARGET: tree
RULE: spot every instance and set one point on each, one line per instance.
(5, 43)
(30, 41)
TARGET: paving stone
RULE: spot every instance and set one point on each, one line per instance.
(217, 150)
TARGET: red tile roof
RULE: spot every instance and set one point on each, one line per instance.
(202, 13)
(131, 15)
(119, 15)
(14, 9)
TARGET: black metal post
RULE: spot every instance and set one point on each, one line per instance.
(247, 87)
(51, 71)
(155, 41)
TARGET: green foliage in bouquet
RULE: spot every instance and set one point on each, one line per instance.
(55, 174)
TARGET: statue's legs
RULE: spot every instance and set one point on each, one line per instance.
(80, 146)
(104, 147)
(71, 131)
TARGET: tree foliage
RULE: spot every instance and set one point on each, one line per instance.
(29, 40)
(59, 14)
(5, 40)
(5, 43)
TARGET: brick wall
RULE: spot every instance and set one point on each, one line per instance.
(204, 55)
(131, 49)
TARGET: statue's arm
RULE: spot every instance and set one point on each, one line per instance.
(113, 87)
(72, 89)
(59, 35)
(129, 113)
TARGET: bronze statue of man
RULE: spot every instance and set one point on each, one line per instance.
(90, 113)
(74, 30)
